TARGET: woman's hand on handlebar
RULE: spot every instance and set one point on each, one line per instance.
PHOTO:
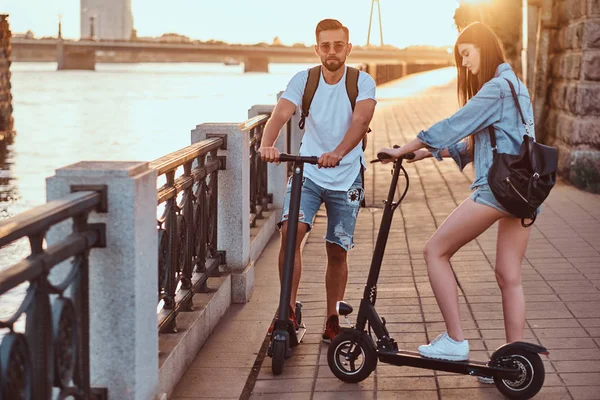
(393, 153)
(329, 160)
(419, 155)
(269, 154)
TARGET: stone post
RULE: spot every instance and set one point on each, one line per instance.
(123, 276)
(233, 220)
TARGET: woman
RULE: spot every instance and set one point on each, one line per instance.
(486, 101)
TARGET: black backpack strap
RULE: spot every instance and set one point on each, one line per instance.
(516, 99)
(314, 75)
(352, 85)
(492, 138)
(352, 75)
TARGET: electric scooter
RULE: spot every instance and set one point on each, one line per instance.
(516, 368)
(285, 335)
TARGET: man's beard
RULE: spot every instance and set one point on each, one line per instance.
(333, 64)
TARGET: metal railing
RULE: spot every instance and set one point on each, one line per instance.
(259, 196)
(187, 228)
(54, 350)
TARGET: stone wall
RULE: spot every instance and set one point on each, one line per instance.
(6, 120)
(572, 118)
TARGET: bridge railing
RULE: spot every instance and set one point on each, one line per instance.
(259, 196)
(54, 349)
(187, 226)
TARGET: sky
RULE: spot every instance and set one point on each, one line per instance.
(405, 22)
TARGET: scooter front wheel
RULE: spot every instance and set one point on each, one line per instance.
(279, 350)
(531, 378)
(350, 360)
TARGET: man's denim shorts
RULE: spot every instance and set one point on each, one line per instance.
(483, 195)
(342, 209)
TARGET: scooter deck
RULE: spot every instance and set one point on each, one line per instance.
(297, 338)
(414, 359)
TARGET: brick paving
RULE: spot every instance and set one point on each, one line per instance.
(561, 277)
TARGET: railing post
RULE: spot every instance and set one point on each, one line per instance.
(122, 276)
(233, 220)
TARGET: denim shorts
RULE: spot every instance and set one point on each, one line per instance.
(483, 195)
(342, 209)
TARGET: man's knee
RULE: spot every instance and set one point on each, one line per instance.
(336, 255)
(302, 229)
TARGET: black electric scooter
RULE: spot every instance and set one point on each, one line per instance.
(517, 368)
(284, 335)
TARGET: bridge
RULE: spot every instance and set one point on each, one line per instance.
(83, 54)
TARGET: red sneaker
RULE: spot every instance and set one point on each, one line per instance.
(292, 318)
(332, 329)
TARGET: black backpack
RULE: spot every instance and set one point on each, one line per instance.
(314, 76)
(522, 182)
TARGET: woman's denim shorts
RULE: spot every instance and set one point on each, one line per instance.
(483, 195)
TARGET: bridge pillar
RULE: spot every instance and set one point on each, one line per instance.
(256, 64)
(73, 58)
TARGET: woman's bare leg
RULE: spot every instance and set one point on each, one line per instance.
(510, 250)
(464, 224)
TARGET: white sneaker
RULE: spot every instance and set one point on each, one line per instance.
(488, 380)
(444, 347)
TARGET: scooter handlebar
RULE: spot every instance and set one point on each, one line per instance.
(386, 156)
(293, 158)
(303, 159)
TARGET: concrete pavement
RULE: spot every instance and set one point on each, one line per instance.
(561, 278)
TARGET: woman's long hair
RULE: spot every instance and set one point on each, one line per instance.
(492, 55)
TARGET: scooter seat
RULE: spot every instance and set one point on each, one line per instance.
(343, 308)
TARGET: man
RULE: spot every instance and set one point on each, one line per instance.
(334, 133)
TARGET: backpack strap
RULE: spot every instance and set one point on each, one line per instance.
(352, 75)
(314, 75)
(516, 99)
(352, 85)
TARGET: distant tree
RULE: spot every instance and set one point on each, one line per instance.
(504, 17)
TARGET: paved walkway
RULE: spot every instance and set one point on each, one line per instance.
(561, 276)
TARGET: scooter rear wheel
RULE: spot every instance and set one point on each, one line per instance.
(349, 360)
(532, 375)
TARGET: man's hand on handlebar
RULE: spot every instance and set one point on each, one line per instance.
(269, 154)
(329, 160)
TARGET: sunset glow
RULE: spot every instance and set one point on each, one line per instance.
(237, 21)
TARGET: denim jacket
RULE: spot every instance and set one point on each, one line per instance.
(493, 105)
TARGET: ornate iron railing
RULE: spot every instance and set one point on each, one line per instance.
(187, 228)
(54, 350)
(259, 196)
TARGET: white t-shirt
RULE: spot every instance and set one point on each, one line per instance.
(330, 117)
